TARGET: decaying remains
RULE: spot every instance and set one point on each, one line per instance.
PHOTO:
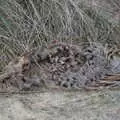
(62, 65)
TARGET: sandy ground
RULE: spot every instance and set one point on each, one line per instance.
(61, 105)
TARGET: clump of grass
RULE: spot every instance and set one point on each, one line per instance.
(25, 24)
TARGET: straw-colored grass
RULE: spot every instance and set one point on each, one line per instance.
(25, 24)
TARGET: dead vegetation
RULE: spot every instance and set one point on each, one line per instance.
(60, 65)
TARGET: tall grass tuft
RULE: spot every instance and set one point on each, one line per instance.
(25, 24)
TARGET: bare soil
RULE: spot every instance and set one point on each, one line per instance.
(61, 105)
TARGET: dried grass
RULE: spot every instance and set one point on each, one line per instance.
(25, 24)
